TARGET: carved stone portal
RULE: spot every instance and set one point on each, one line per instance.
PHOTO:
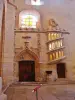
(29, 55)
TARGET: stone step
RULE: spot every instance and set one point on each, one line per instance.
(58, 81)
(29, 83)
(62, 79)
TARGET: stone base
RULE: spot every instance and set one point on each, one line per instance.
(3, 96)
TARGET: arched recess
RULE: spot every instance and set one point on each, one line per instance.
(29, 19)
(21, 13)
(26, 55)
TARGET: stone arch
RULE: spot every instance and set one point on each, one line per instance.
(26, 52)
(30, 55)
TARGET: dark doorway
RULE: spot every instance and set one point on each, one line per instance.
(61, 70)
(26, 71)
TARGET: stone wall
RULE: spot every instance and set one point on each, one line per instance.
(8, 60)
(64, 14)
(33, 43)
(33, 46)
(1, 13)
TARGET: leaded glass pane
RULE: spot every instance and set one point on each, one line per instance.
(28, 21)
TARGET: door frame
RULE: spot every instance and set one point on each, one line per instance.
(27, 54)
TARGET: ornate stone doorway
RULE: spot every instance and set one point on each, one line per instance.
(26, 71)
(30, 57)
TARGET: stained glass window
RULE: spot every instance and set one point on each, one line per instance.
(28, 21)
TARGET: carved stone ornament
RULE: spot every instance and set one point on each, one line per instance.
(27, 54)
(38, 43)
(52, 23)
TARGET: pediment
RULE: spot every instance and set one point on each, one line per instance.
(27, 55)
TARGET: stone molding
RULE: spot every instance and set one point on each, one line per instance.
(11, 4)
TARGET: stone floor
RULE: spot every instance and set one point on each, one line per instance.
(46, 92)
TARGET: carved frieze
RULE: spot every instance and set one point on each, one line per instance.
(38, 44)
(35, 50)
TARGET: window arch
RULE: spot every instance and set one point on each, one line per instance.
(29, 19)
(34, 2)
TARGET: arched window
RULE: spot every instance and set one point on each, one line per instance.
(29, 19)
(35, 2)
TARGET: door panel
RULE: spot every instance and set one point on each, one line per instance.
(26, 71)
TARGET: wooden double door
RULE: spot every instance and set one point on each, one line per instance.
(26, 71)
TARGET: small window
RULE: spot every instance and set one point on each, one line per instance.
(35, 2)
(28, 20)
